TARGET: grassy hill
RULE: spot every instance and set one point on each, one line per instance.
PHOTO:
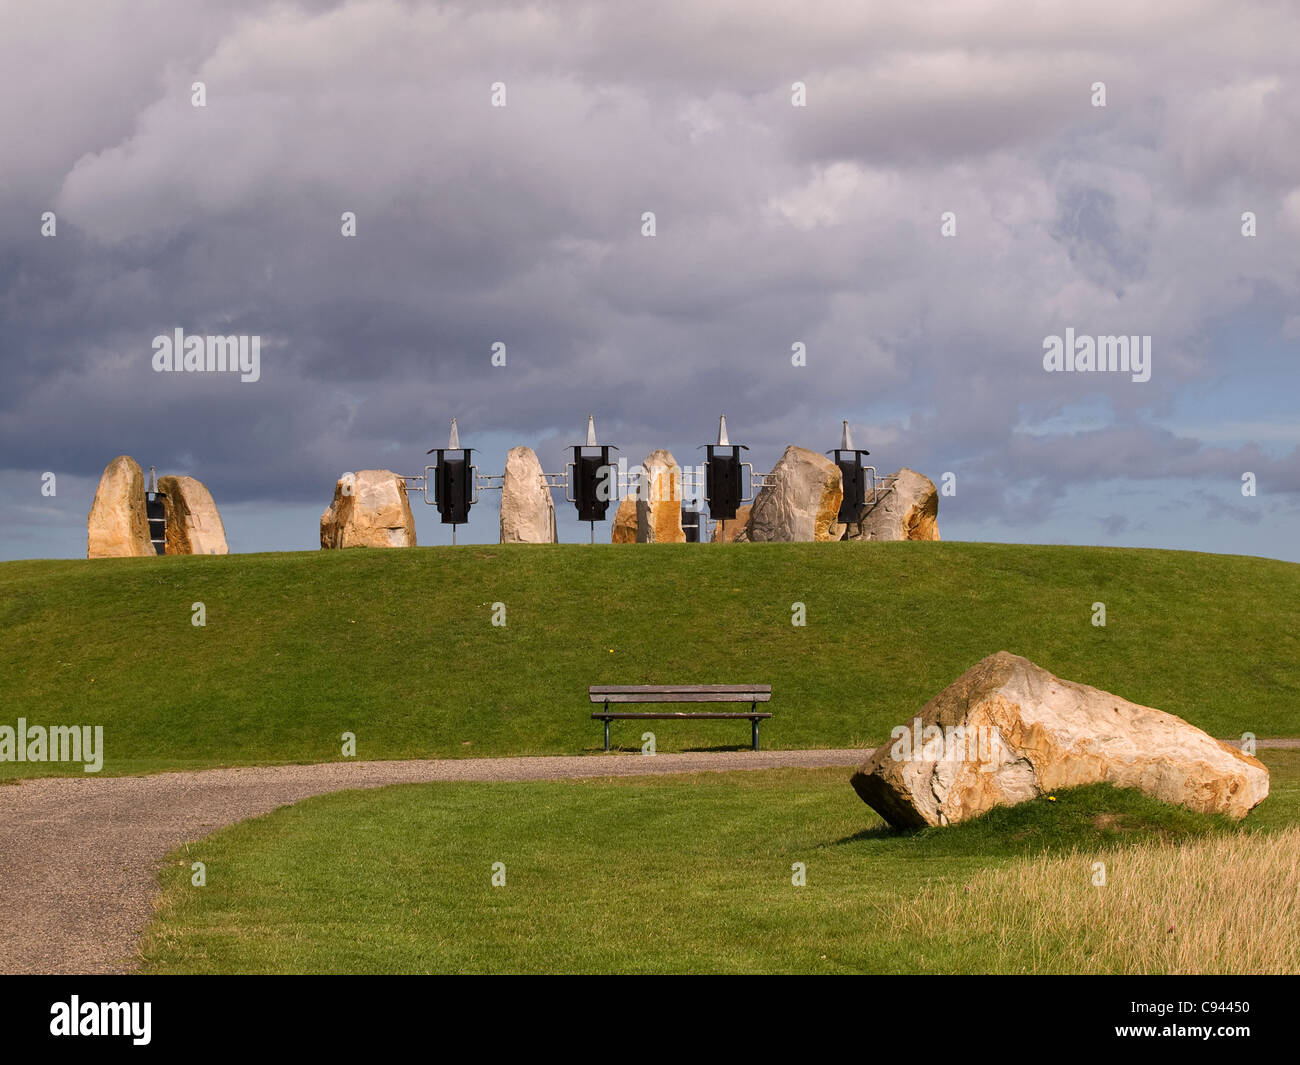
(399, 648)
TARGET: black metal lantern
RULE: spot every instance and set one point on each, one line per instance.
(722, 487)
(453, 480)
(593, 480)
(849, 460)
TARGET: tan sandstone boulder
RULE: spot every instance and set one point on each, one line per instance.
(193, 524)
(803, 502)
(117, 525)
(527, 509)
(370, 509)
(624, 522)
(659, 500)
(1007, 731)
(908, 510)
(733, 530)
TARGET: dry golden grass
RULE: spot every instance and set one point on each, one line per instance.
(1223, 904)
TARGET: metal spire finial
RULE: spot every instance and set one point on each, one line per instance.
(591, 431)
(453, 444)
(847, 443)
(722, 432)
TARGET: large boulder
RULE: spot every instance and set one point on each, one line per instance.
(733, 529)
(527, 509)
(624, 531)
(118, 525)
(802, 503)
(908, 509)
(193, 525)
(370, 509)
(1007, 731)
(659, 500)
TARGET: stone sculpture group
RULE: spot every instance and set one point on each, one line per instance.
(371, 508)
(801, 503)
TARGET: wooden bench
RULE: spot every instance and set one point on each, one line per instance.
(622, 694)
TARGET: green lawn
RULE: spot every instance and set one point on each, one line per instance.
(398, 646)
(693, 874)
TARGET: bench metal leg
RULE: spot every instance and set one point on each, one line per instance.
(607, 734)
(754, 722)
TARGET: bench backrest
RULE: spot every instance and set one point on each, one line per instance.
(680, 693)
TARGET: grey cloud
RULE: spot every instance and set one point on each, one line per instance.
(776, 224)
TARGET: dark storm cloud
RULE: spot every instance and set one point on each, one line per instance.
(522, 225)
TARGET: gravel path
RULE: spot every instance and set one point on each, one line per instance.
(79, 855)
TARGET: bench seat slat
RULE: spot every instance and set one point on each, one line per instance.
(683, 697)
(667, 689)
(600, 715)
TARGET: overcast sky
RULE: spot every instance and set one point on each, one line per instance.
(776, 224)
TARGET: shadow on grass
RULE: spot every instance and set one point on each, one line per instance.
(882, 831)
(1087, 818)
(716, 750)
(620, 749)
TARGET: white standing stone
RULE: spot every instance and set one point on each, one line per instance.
(117, 525)
(369, 509)
(908, 510)
(527, 509)
(659, 502)
(193, 525)
(803, 502)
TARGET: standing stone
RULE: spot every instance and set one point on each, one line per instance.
(1007, 731)
(527, 509)
(803, 503)
(659, 500)
(193, 525)
(624, 522)
(118, 525)
(909, 510)
(732, 531)
(370, 509)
